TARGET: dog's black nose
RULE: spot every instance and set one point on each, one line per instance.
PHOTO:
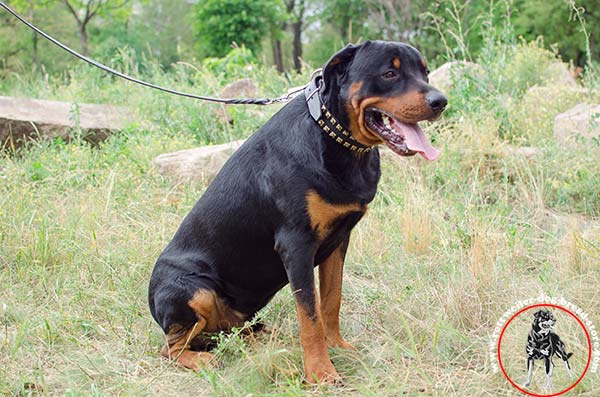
(436, 101)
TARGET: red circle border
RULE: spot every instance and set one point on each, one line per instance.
(587, 335)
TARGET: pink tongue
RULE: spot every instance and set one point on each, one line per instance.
(417, 141)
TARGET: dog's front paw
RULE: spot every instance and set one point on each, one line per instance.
(338, 341)
(322, 373)
(196, 361)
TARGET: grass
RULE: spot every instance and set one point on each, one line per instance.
(444, 250)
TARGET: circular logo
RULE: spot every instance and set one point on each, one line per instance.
(542, 348)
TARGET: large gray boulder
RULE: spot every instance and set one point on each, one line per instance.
(579, 124)
(22, 119)
(198, 164)
(443, 77)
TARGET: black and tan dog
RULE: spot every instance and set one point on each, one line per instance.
(287, 200)
(543, 344)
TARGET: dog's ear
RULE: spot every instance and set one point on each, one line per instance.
(537, 314)
(338, 65)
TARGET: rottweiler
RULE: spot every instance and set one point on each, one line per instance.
(543, 344)
(286, 202)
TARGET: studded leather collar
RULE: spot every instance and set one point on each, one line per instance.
(328, 123)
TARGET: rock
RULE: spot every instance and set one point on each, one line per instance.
(580, 122)
(561, 74)
(22, 119)
(554, 98)
(198, 164)
(528, 152)
(537, 92)
(443, 77)
(244, 88)
(562, 223)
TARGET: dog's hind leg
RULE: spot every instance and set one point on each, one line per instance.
(565, 357)
(568, 369)
(529, 372)
(211, 316)
(177, 347)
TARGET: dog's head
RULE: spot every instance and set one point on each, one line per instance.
(543, 321)
(381, 89)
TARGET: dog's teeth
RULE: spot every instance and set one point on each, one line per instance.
(386, 121)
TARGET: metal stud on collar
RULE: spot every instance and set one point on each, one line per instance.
(346, 140)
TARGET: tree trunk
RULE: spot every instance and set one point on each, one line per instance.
(278, 56)
(83, 38)
(34, 48)
(297, 29)
(34, 40)
(344, 29)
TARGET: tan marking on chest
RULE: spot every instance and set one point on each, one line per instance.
(322, 214)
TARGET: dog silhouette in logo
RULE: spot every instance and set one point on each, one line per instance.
(543, 344)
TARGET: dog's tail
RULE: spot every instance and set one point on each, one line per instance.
(569, 355)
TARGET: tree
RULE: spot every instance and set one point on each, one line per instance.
(30, 7)
(298, 7)
(219, 23)
(277, 34)
(85, 10)
(346, 16)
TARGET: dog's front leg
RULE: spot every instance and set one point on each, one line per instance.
(297, 253)
(330, 286)
(549, 367)
(529, 372)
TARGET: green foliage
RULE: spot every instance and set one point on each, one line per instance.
(219, 23)
(348, 17)
(554, 20)
(235, 61)
(460, 30)
(28, 5)
(527, 64)
(118, 10)
(174, 31)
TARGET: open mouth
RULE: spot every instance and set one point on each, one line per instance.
(546, 325)
(403, 138)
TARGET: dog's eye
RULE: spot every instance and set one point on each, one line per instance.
(390, 74)
(427, 71)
